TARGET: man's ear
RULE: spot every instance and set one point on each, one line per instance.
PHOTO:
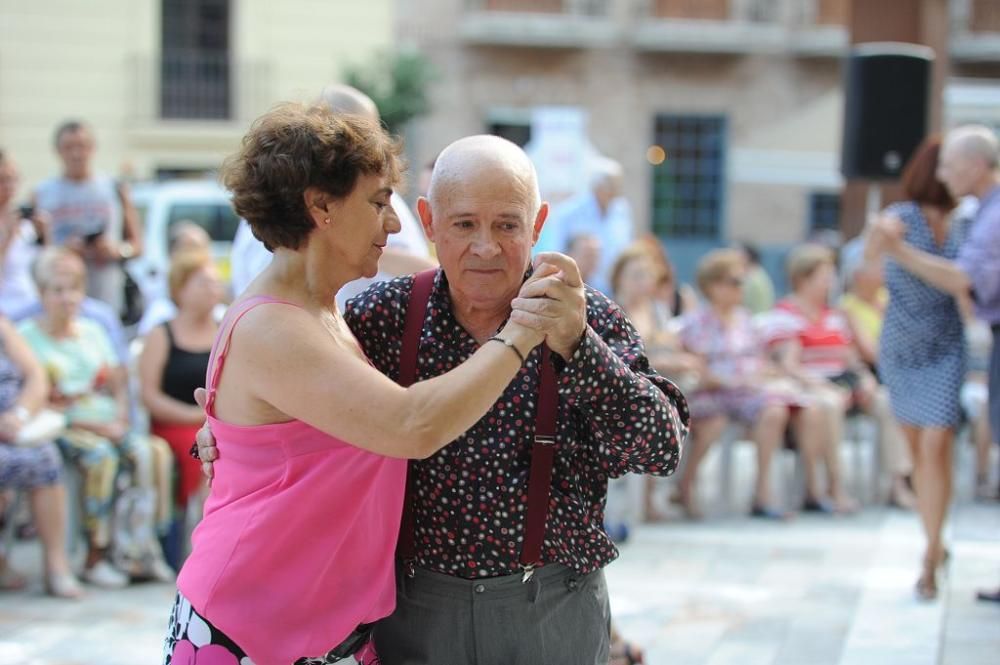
(426, 219)
(543, 214)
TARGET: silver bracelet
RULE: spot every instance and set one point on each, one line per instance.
(508, 343)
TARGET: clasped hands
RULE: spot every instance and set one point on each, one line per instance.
(551, 302)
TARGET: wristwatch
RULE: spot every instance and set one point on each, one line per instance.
(126, 250)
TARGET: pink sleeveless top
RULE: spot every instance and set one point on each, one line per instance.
(297, 543)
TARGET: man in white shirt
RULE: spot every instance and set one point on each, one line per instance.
(406, 252)
(600, 211)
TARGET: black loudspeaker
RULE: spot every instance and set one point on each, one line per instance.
(887, 89)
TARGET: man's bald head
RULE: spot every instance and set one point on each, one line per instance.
(483, 158)
(483, 214)
(968, 161)
(976, 142)
(342, 98)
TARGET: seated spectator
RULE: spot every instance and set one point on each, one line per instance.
(816, 346)
(672, 298)
(738, 383)
(758, 291)
(864, 306)
(35, 469)
(90, 386)
(173, 364)
(635, 277)
(185, 236)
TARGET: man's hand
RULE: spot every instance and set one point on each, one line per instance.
(207, 451)
(556, 303)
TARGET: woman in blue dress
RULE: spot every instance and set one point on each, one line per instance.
(922, 349)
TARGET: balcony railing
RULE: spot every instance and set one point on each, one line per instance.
(538, 23)
(808, 27)
(698, 10)
(975, 30)
(985, 16)
(193, 86)
(584, 7)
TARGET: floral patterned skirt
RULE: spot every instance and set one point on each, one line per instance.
(192, 640)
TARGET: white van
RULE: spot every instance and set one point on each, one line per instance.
(160, 206)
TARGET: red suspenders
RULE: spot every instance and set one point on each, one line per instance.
(542, 452)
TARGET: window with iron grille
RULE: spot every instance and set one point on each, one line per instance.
(824, 212)
(689, 184)
(195, 68)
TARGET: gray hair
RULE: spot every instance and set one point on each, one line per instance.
(51, 259)
(341, 98)
(604, 171)
(978, 141)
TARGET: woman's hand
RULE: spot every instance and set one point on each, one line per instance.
(10, 425)
(887, 232)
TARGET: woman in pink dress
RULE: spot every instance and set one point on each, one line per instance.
(294, 557)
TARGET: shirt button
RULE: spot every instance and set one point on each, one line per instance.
(480, 588)
(571, 583)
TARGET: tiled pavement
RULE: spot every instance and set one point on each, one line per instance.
(729, 591)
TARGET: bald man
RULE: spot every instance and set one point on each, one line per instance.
(968, 165)
(464, 597)
(406, 252)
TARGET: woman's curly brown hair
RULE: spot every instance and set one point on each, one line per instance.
(293, 147)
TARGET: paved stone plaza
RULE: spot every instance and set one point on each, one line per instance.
(815, 591)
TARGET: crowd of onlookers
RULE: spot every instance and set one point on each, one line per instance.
(787, 373)
(74, 396)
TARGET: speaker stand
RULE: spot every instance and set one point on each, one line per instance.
(873, 201)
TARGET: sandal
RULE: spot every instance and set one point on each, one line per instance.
(63, 585)
(769, 513)
(813, 505)
(926, 587)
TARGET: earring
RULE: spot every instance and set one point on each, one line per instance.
(326, 221)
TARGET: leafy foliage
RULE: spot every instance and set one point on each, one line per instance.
(397, 82)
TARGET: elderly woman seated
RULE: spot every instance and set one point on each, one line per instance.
(816, 346)
(90, 387)
(636, 277)
(35, 468)
(738, 383)
(173, 364)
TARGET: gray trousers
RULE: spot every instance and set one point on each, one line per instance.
(559, 617)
